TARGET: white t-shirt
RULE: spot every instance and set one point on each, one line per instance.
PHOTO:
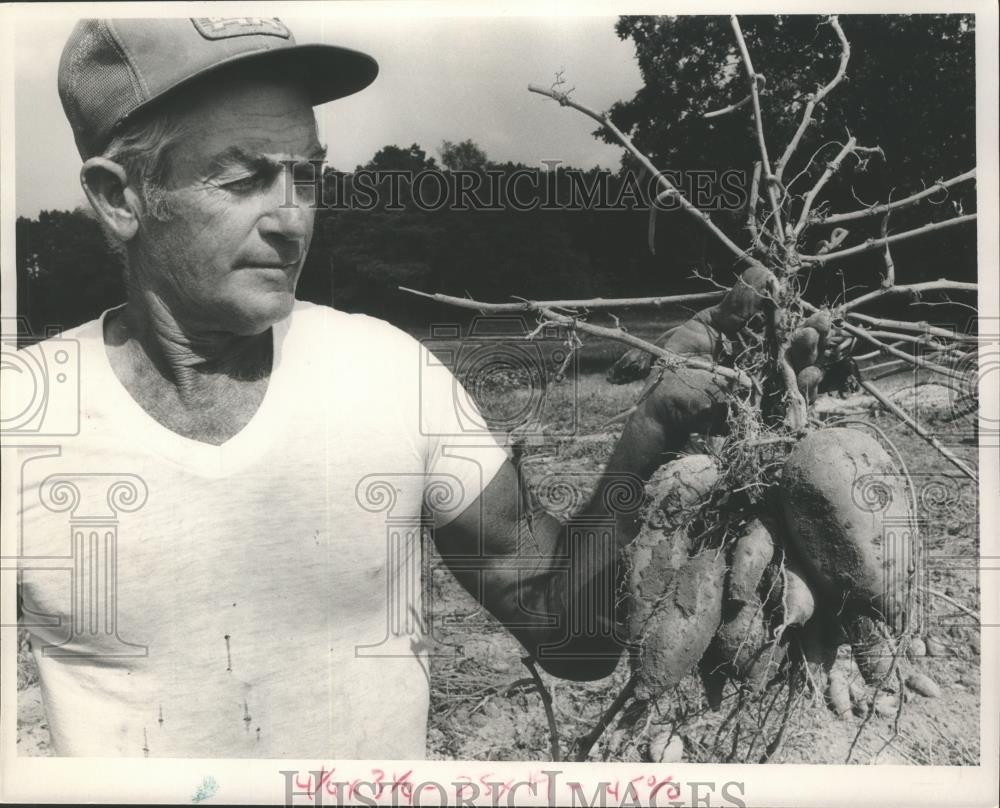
(261, 598)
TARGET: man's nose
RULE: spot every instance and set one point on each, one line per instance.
(288, 214)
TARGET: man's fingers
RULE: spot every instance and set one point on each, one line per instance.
(804, 347)
(808, 381)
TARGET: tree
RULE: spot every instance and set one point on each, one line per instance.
(691, 66)
(464, 156)
(66, 273)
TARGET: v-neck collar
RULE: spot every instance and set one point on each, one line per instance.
(203, 458)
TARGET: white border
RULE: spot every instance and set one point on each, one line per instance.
(796, 786)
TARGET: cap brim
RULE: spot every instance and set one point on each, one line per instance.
(328, 71)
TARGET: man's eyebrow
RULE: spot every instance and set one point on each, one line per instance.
(237, 155)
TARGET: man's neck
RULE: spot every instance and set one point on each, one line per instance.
(189, 358)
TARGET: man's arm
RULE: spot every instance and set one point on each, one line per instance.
(557, 586)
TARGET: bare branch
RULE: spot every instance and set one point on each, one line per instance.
(914, 289)
(913, 360)
(726, 110)
(831, 168)
(669, 356)
(877, 352)
(584, 303)
(874, 244)
(752, 207)
(889, 280)
(755, 80)
(918, 325)
(618, 334)
(876, 210)
(817, 98)
(896, 410)
(668, 187)
(922, 339)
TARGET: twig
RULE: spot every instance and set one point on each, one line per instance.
(914, 289)
(586, 742)
(964, 609)
(726, 110)
(817, 97)
(583, 303)
(899, 714)
(913, 199)
(543, 691)
(874, 244)
(893, 671)
(775, 744)
(808, 165)
(923, 433)
(769, 176)
(626, 141)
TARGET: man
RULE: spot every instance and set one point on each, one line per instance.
(246, 594)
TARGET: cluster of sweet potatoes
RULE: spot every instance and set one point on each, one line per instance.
(826, 566)
(822, 563)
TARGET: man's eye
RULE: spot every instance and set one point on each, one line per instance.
(242, 185)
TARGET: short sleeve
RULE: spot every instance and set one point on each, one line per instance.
(463, 456)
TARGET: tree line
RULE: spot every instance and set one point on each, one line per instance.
(911, 91)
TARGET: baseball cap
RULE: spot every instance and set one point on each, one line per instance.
(112, 68)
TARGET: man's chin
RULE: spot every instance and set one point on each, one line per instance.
(263, 311)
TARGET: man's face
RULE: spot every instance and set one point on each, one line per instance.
(229, 255)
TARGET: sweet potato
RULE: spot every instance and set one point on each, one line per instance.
(683, 484)
(873, 651)
(654, 559)
(680, 627)
(662, 546)
(752, 552)
(923, 684)
(842, 498)
(797, 598)
(838, 691)
(741, 635)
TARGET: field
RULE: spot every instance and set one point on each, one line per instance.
(484, 705)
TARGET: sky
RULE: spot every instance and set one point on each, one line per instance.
(446, 78)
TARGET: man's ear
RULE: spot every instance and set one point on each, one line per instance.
(115, 203)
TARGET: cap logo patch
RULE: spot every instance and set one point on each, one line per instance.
(227, 27)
